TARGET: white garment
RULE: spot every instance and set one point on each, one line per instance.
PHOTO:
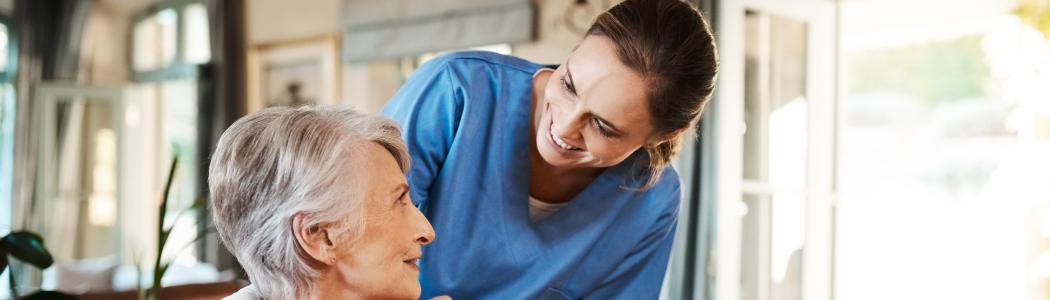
(247, 293)
(539, 209)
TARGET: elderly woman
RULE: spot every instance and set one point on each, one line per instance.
(314, 204)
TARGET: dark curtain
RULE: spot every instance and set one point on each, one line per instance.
(222, 88)
(49, 39)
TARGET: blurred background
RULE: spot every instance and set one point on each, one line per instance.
(855, 149)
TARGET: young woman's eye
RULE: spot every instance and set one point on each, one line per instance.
(566, 87)
(601, 128)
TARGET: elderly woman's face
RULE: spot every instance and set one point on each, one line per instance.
(382, 263)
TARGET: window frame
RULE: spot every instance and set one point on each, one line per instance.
(179, 67)
(8, 74)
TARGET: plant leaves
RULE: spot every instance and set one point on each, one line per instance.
(200, 202)
(162, 234)
(3, 260)
(28, 247)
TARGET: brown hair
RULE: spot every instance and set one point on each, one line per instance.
(670, 44)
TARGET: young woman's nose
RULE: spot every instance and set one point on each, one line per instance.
(569, 121)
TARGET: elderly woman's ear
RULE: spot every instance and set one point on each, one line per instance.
(314, 240)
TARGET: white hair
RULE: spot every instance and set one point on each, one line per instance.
(279, 162)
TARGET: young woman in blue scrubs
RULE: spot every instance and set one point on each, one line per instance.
(554, 183)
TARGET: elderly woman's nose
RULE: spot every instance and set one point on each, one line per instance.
(426, 232)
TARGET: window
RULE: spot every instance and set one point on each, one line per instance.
(944, 142)
(154, 41)
(195, 33)
(168, 43)
(169, 39)
(3, 46)
(7, 131)
(775, 158)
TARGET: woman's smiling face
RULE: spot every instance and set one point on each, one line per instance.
(382, 263)
(594, 112)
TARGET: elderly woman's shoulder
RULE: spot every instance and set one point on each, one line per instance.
(247, 293)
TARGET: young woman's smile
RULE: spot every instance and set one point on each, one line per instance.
(592, 111)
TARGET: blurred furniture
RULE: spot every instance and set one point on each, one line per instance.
(199, 291)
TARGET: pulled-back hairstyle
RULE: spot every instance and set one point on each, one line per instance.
(279, 162)
(671, 46)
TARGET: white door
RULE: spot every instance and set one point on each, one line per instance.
(78, 190)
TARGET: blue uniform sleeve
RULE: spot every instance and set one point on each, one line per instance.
(641, 274)
(428, 107)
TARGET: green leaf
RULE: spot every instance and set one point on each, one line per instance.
(200, 202)
(28, 247)
(3, 261)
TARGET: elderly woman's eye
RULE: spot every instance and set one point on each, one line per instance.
(404, 199)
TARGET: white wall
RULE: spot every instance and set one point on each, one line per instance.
(271, 21)
(557, 36)
(104, 55)
(368, 86)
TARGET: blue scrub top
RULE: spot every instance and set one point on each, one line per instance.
(465, 118)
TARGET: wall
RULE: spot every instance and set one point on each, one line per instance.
(562, 24)
(281, 20)
(7, 7)
(368, 86)
(104, 57)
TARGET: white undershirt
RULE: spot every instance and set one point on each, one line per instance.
(539, 209)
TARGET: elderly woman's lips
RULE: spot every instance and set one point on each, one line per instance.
(412, 264)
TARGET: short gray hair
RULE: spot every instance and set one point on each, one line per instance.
(279, 162)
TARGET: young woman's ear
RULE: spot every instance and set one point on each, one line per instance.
(313, 240)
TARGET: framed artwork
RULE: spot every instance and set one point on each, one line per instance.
(294, 73)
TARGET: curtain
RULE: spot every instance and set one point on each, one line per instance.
(222, 90)
(49, 37)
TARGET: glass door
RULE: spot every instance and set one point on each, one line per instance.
(777, 104)
(78, 197)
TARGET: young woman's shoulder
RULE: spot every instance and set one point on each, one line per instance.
(473, 60)
(665, 196)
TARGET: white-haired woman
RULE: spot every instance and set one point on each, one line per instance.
(313, 203)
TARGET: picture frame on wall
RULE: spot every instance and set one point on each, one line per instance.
(294, 73)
